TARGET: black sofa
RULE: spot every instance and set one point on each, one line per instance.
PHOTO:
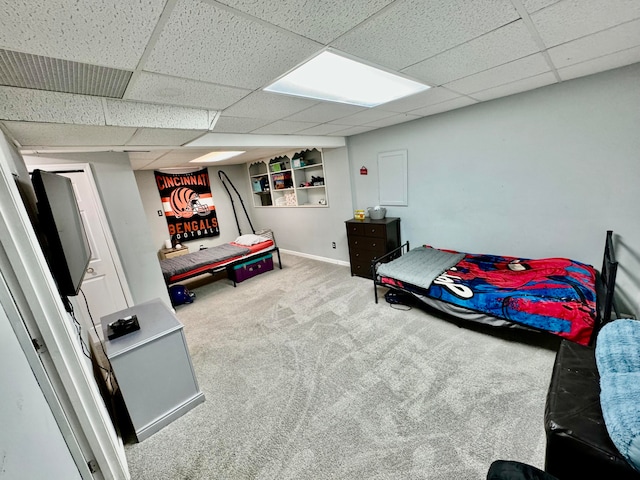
(578, 444)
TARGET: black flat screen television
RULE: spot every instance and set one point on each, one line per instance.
(62, 235)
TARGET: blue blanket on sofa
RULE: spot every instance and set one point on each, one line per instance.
(618, 361)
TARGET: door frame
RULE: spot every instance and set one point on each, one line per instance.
(45, 319)
(102, 217)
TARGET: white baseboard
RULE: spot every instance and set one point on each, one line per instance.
(316, 257)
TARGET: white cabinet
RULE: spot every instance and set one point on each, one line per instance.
(152, 367)
(293, 180)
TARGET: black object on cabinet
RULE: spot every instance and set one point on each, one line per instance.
(369, 239)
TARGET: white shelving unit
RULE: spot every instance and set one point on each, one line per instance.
(295, 180)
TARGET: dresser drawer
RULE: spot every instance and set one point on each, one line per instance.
(372, 230)
(375, 246)
(360, 267)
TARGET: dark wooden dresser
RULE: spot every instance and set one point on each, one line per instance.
(369, 239)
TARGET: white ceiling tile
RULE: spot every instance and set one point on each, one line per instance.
(608, 62)
(238, 124)
(54, 107)
(352, 131)
(154, 88)
(133, 114)
(571, 19)
(365, 116)
(596, 45)
(493, 49)
(535, 5)
(208, 43)
(428, 97)
(283, 127)
(270, 106)
(322, 129)
(413, 30)
(138, 163)
(143, 158)
(507, 73)
(111, 34)
(444, 106)
(164, 136)
(393, 120)
(518, 86)
(325, 112)
(62, 135)
(320, 20)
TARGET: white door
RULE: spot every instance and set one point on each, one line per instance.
(103, 286)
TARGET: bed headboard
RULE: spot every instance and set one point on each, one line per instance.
(605, 284)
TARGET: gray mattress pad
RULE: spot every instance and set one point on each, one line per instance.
(191, 261)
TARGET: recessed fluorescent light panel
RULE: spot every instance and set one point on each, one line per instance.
(339, 79)
(216, 157)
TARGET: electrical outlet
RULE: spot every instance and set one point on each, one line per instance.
(333, 244)
(159, 213)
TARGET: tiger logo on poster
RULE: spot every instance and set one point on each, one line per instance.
(188, 204)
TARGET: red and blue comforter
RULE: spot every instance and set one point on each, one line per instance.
(557, 295)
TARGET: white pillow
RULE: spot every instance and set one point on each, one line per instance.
(250, 239)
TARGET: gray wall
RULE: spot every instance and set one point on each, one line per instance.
(304, 230)
(311, 230)
(540, 174)
(123, 207)
(145, 180)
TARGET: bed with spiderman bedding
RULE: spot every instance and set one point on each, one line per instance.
(252, 251)
(556, 295)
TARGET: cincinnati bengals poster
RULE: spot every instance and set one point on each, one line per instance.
(188, 205)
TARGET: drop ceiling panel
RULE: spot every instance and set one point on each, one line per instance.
(325, 112)
(209, 43)
(493, 49)
(615, 60)
(163, 136)
(53, 107)
(59, 135)
(141, 159)
(348, 131)
(269, 106)
(111, 34)
(428, 97)
(154, 88)
(568, 20)
(510, 72)
(133, 114)
(393, 120)
(238, 124)
(535, 5)
(365, 116)
(322, 129)
(444, 106)
(597, 45)
(283, 127)
(320, 20)
(413, 30)
(516, 87)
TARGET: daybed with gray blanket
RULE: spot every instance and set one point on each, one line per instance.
(219, 258)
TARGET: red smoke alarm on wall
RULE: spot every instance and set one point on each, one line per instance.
(363, 171)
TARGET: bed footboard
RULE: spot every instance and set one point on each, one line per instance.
(393, 254)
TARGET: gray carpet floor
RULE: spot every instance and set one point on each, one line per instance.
(305, 377)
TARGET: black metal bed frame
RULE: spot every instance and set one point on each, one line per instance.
(605, 281)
